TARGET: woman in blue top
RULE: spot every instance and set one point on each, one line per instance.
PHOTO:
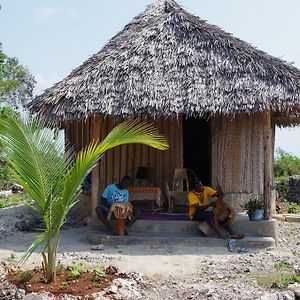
(114, 193)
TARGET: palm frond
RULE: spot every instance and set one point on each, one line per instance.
(134, 131)
(84, 163)
(33, 156)
(40, 240)
(124, 133)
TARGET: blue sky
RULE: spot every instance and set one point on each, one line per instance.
(52, 37)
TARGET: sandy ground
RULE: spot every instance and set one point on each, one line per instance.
(150, 261)
(177, 272)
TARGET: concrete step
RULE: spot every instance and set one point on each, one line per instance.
(171, 239)
(242, 224)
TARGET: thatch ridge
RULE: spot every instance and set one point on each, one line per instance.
(167, 61)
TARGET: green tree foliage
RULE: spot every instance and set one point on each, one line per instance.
(52, 178)
(6, 112)
(286, 164)
(5, 174)
(16, 82)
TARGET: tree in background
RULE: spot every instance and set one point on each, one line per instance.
(16, 89)
(286, 164)
(6, 180)
(16, 82)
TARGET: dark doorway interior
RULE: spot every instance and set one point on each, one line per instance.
(196, 147)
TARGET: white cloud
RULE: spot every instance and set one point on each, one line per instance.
(46, 12)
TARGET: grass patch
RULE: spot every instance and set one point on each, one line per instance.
(286, 279)
(12, 200)
(276, 280)
(76, 269)
(99, 272)
(25, 276)
(283, 265)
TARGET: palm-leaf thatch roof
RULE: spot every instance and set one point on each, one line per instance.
(168, 62)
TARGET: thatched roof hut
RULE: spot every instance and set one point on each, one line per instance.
(168, 62)
(194, 80)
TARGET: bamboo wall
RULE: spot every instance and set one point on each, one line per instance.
(236, 144)
(125, 160)
(238, 153)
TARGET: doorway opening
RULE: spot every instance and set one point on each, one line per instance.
(197, 147)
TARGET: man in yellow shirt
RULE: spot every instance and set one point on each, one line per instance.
(199, 207)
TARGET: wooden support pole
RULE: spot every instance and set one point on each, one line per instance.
(67, 135)
(268, 164)
(95, 129)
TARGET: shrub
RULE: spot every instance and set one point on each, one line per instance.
(6, 181)
(76, 269)
(294, 208)
(282, 187)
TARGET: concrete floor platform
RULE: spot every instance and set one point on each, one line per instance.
(242, 224)
(176, 239)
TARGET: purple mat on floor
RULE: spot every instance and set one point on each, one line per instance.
(164, 217)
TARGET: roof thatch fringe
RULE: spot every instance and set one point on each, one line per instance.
(169, 62)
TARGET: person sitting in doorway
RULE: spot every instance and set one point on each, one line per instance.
(115, 193)
(200, 209)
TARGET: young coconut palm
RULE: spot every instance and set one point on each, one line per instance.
(53, 178)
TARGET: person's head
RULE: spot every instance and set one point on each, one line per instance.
(196, 185)
(125, 182)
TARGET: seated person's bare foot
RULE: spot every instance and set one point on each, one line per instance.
(223, 235)
(237, 236)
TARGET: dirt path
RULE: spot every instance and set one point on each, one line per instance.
(179, 272)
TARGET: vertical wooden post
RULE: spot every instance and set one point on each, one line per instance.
(67, 135)
(268, 164)
(95, 129)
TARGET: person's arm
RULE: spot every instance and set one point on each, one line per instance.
(106, 195)
(198, 206)
(126, 199)
(219, 194)
(211, 193)
(204, 207)
(104, 202)
(194, 202)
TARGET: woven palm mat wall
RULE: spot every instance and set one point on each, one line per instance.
(238, 153)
